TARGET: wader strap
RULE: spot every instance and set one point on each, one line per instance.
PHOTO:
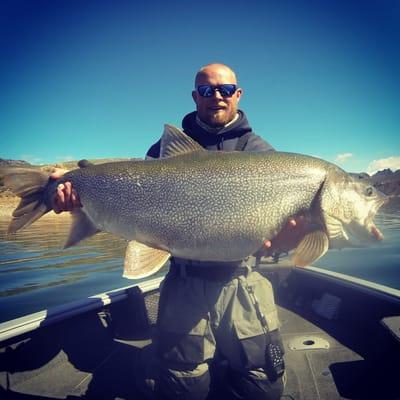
(274, 362)
(242, 142)
(260, 315)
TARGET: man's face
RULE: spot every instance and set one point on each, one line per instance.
(216, 110)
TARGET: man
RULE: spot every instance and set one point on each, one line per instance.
(207, 311)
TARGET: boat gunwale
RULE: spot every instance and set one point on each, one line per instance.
(376, 289)
(30, 322)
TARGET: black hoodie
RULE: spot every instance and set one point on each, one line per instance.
(227, 139)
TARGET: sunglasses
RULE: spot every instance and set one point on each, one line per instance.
(226, 90)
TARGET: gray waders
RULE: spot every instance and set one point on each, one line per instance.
(213, 313)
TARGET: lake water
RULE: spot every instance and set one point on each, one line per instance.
(36, 273)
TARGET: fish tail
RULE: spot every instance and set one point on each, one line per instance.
(31, 186)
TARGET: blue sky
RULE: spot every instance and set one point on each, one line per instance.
(97, 79)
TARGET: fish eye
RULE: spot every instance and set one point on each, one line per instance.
(369, 191)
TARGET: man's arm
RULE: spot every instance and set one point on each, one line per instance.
(154, 151)
(257, 143)
(287, 238)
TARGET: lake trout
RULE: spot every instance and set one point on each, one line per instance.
(206, 206)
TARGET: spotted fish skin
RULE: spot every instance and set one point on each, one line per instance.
(209, 206)
(204, 206)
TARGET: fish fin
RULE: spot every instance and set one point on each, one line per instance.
(335, 228)
(175, 142)
(82, 227)
(142, 260)
(312, 247)
(30, 185)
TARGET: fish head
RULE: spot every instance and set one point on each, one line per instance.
(349, 206)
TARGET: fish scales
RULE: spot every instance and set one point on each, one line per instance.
(206, 205)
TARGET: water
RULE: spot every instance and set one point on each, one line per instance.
(36, 274)
(379, 263)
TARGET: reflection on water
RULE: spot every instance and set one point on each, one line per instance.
(36, 273)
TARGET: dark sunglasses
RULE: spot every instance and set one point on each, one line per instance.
(226, 90)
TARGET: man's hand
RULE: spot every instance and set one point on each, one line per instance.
(287, 238)
(65, 198)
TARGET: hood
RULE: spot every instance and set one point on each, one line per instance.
(205, 138)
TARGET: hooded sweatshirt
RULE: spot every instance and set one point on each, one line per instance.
(225, 139)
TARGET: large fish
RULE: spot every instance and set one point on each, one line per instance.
(210, 206)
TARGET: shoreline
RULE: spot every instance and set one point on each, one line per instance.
(9, 203)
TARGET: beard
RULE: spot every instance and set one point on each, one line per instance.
(218, 118)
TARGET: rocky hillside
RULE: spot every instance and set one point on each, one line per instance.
(47, 168)
(386, 181)
(14, 163)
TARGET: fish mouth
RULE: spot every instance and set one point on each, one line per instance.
(375, 233)
(359, 235)
(362, 235)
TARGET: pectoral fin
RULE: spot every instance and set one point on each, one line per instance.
(312, 247)
(335, 228)
(81, 228)
(142, 260)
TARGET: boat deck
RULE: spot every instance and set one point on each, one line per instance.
(331, 352)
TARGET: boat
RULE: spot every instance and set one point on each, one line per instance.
(341, 337)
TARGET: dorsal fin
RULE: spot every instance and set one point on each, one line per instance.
(175, 142)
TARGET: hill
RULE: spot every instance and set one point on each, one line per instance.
(386, 181)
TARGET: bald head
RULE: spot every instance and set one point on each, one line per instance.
(217, 70)
(219, 109)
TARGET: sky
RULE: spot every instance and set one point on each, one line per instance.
(99, 79)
